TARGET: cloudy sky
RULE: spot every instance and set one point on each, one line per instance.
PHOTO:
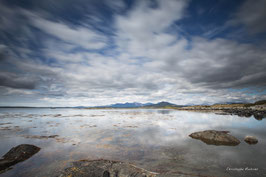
(98, 52)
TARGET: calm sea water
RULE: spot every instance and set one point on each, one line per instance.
(156, 140)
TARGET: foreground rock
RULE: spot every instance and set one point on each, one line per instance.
(104, 168)
(251, 140)
(214, 137)
(18, 154)
(108, 168)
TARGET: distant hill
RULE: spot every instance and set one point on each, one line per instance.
(260, 102)
(128, 105)
(161, 105)
(139, 105)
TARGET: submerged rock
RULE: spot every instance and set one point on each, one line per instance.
(40, 137)
(104, 168)
(214, 137)
(251, 140)
(18, 154)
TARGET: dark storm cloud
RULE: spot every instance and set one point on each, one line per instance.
(15, 81)
(252, 14)
(225, 64)
(3, 52)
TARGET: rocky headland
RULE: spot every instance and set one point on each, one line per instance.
(257, 109)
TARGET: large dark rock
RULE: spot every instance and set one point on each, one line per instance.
(104, 168)
(18, 154)
(214, 137)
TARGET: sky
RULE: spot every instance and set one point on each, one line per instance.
(100, 52)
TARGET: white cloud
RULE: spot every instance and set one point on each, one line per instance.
(79, 36)
(142, 30)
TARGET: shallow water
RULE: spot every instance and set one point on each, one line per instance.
(156, 140)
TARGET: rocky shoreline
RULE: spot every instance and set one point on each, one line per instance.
(258, 114)
(258, 111)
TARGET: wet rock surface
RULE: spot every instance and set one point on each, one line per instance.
(104, 168)
(213, 137)
(251, 140)
(18, 154)
(108, 168)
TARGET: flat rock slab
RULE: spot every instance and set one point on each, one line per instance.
(18, 154)
(213, 137)
(104, 168)
(251, 140)
(108, 168)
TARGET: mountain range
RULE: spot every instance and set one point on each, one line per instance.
(162, 104)
(139, 105)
